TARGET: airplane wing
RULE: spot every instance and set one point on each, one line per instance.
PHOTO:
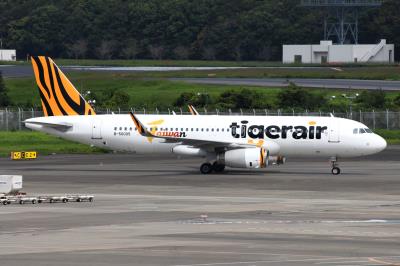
(201, 143)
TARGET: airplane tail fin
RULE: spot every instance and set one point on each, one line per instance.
(58, 95)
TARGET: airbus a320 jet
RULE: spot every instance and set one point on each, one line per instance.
(232, 141)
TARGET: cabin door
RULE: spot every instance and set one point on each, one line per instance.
(333, 132)
(96, 129)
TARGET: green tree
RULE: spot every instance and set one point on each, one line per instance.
(243, 99)
(372, 99)
(4, 99)
(197, 100)
(213, 29)
(296, 97)
(396, 100)
(119, 99)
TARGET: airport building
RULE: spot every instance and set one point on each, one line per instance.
(8, 55)
(341, 36)
(327, 52)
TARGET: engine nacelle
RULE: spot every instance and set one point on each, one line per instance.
(245, 158)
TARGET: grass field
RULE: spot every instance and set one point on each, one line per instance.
(42, 143)
(391, 136)
(142, 92)
(150, 93)
(45, 144)
(366, 73)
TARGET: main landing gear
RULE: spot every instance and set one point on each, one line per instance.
(207, 168)
(335, 166)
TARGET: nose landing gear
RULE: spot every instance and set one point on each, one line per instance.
(335, 166)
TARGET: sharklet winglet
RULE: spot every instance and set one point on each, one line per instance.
(140, 127)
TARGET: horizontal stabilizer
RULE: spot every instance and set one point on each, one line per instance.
(57, 126)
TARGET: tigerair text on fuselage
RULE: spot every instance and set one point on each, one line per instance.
(244, 130)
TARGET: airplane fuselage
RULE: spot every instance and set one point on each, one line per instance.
(281, 135)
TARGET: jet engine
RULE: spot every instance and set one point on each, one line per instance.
(244, 158)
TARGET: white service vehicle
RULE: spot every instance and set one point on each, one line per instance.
(10, 184)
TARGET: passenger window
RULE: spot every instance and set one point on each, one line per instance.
(130, 129)
(120, 128)
(222, 129)
(187, 129)
(207, 129)
(126, 129)
(197, 129)
(181, 129)
(362, 131)
(172, 129)
(217, 129)
(212, 130)
(202, 129)
(355, 131)
(115, 128)
(177, 129)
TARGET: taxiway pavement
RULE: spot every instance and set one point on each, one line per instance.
(152, 210)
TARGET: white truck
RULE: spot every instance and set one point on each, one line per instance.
(10, 186)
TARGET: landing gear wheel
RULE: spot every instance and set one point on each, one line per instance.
(218, 168)
(335, 170)
(206, 168)
(335, 166)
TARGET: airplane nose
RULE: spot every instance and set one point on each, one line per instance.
(379, 143)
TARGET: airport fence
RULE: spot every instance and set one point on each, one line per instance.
(12, 119)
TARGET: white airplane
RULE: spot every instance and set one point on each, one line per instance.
(233, 141)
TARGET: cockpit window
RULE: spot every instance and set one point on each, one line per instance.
(355, 131)
(368, 130)
(362, 131)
